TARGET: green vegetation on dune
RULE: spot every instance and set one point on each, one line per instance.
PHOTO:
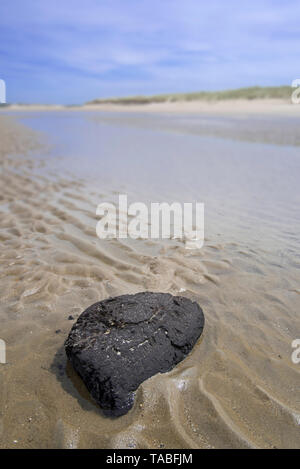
(255, 92)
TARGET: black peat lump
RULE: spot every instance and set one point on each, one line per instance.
(118, 343)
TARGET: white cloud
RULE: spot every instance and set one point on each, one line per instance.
(148, 45)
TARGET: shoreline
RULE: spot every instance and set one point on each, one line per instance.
(276, 107)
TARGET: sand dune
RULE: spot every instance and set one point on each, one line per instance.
(268, 106)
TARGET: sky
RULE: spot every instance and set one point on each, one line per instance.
(71, 51)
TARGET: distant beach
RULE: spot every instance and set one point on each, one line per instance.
(255, 100)
(258, 106)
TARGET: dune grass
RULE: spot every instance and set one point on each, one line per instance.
(255, 92)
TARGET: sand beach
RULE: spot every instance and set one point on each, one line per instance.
(239, 387)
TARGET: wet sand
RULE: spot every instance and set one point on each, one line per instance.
(239, 387)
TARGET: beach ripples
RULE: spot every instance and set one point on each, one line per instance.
(238, 387)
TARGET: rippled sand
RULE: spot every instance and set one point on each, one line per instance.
(237, 389)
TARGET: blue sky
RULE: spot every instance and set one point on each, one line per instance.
(71, 51)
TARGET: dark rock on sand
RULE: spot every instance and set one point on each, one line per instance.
(118, 343)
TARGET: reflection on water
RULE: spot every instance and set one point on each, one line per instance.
(253, 187)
